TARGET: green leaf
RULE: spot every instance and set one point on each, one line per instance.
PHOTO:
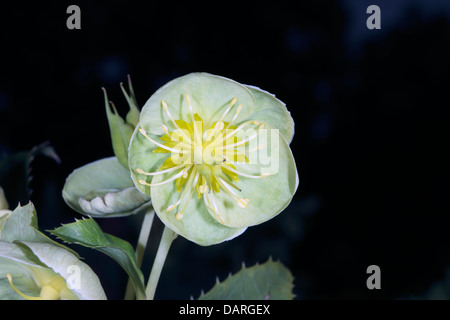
(269, 281)
(103, 189)
(21, 225)
(88, 233)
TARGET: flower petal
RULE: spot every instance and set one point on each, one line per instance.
(197, 224)
(86, 284)
(268, 195)
(16, 261)
(273, 111)
(209, 95)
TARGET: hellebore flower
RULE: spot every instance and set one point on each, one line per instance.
(34, 267)
(214, 157)
(45, 271)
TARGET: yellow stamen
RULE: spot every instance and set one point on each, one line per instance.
(23, 295)
(140, 171)
(220, 122)
(166, 109)
(190, 107)
(209, 197)
(233, 132)
(257, 148)
(238, 110)
(187, 189)
(248, 175)
(240, 201)
(142, 131)
(179, 174)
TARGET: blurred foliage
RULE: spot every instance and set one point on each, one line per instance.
(16, 172)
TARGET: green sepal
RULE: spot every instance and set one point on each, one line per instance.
(120, 129)
(132, 116)
(88, 233)
(120, 132)
(268, 281)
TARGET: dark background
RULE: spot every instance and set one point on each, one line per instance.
(371, 109)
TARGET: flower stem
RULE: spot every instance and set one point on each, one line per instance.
(140, 248)
(166, 241)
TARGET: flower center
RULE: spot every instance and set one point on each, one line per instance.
(52, 288)
(202, 160)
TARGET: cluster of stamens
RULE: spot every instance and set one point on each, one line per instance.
(203, 161)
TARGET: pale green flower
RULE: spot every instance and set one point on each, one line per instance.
(34, 267)
(45, 271)
(214, 156)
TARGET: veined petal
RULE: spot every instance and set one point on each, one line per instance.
(268, 195)
(197, 224)
(209, 95)
(274, 112)
(67, 265)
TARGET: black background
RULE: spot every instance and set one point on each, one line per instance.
(370, 107)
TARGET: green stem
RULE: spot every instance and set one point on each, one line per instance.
(166, 241)
(140, 248)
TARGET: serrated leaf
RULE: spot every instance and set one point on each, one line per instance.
(88, 233)
(22, 225)
(268, 281)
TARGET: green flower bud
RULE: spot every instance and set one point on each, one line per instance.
(103, 189)
(121, 130)
(214, 156)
